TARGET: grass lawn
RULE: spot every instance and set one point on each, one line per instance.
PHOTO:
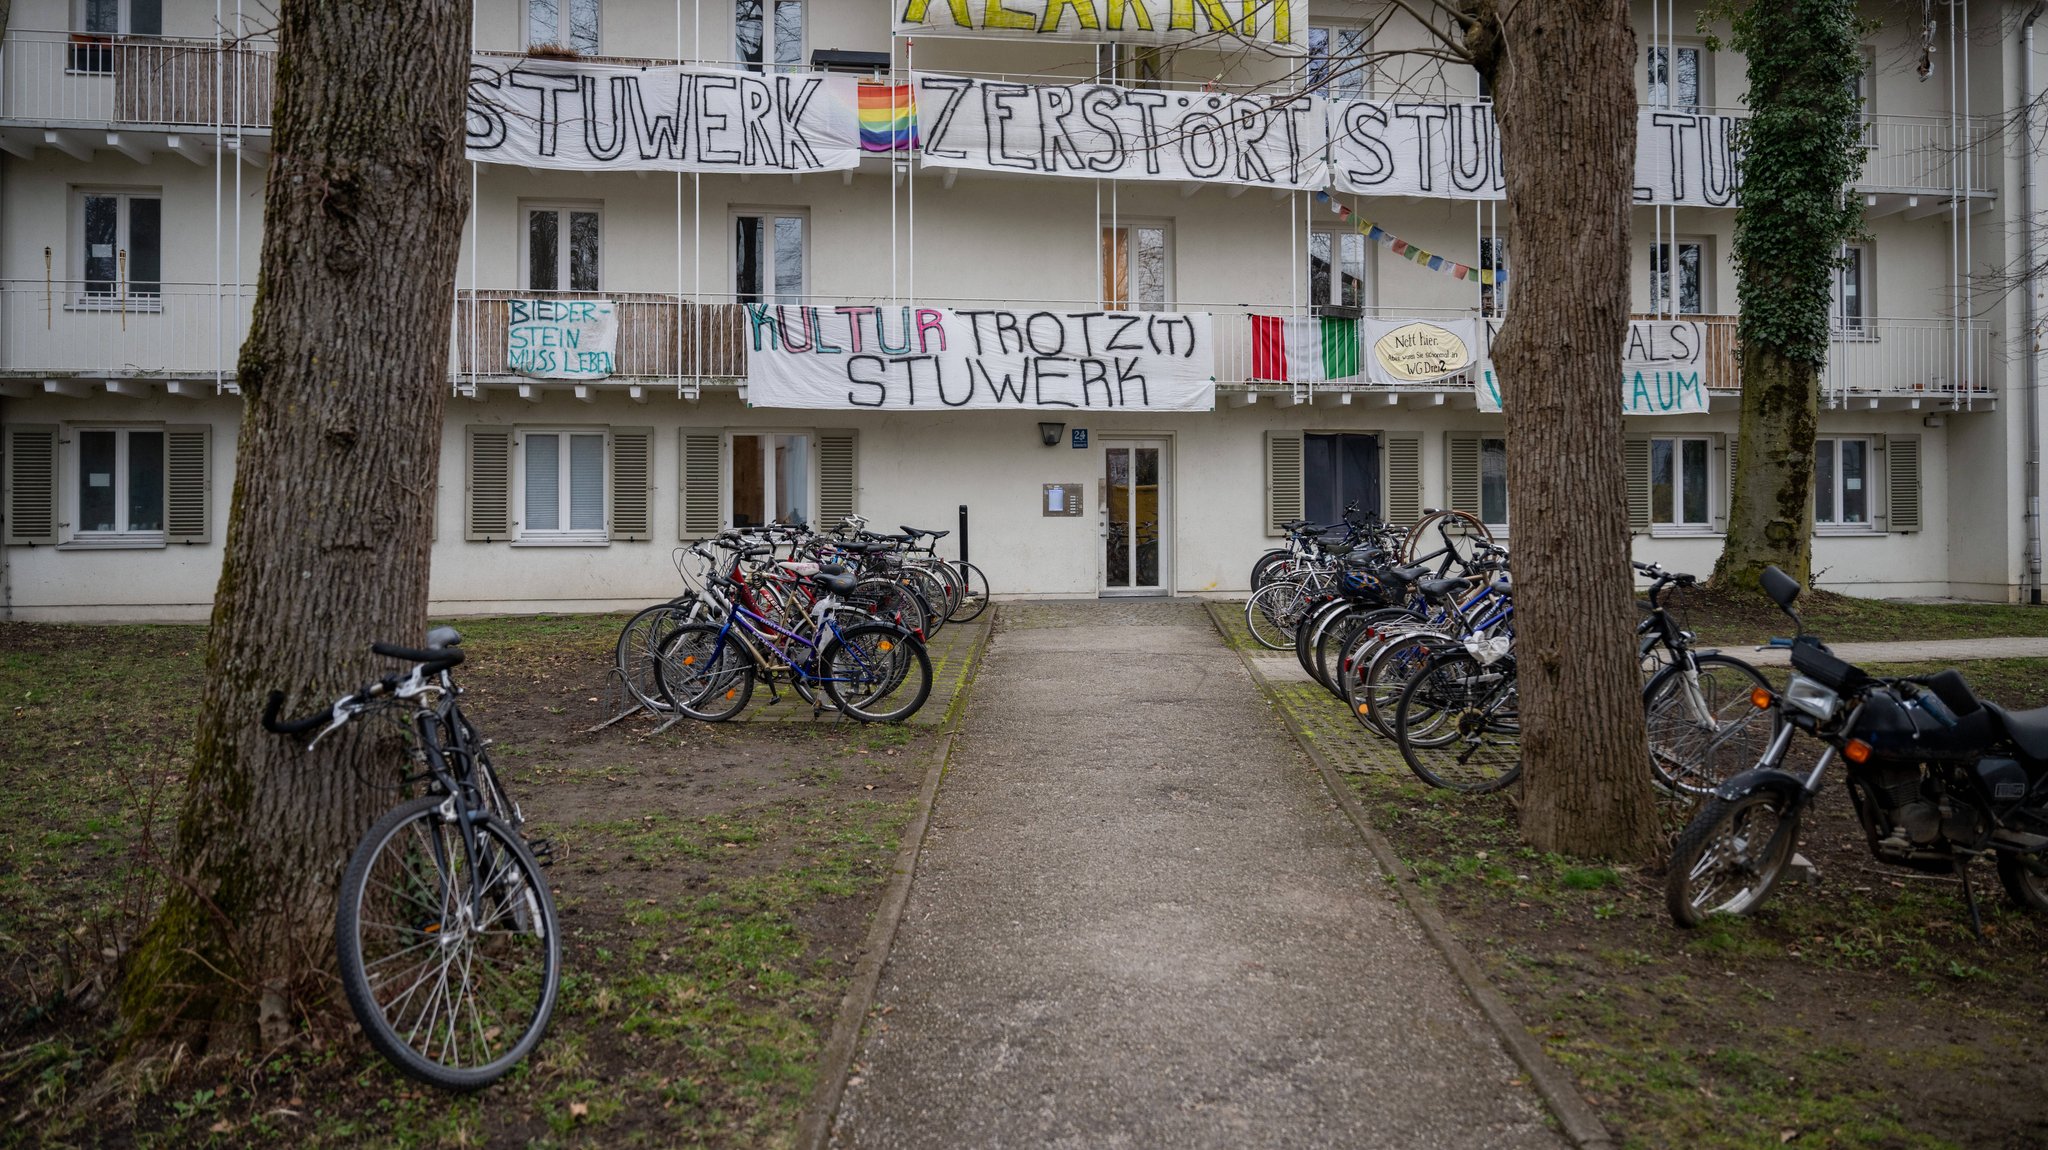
(714, 884)
(1734, 621)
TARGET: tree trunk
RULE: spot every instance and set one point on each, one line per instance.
(1562, 78)
(343, 378)
(1770, 512)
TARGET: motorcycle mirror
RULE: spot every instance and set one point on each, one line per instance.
(1782, 588)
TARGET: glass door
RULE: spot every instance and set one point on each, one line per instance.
(1135, 516)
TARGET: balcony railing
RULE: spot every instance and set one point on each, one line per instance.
(99, 330)
(62, 78)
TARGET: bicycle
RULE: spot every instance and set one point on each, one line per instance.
(445, 931)
(1703, 728)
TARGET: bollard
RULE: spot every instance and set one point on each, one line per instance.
(963, 541)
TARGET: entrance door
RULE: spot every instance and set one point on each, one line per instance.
(1136, 512)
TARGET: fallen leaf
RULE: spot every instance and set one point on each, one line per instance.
(221, 1127)
(1787, 1135)
(579, 1109)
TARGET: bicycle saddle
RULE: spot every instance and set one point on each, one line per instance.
(926, 531)
(1435, 588)
(444, 637)
(839, 582)
(1406, 574)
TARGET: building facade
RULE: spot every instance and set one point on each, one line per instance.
(133, 146)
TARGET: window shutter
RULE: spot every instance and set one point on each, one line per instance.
(1461, 470)
(700, 477)
(838, 475)
(632, 484)
(188, 485)
(1283, 479)
(1404, 480)
(1635, 456)
(1725, 510)
(487, 496)
(31, 485)
(1902, 482)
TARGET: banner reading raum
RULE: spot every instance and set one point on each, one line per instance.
(943, 359)
(1660, 369)
(1278, 26)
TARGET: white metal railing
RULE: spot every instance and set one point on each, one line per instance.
(110, 330)
(1929, 154)
(1937, 359)
(60, 78)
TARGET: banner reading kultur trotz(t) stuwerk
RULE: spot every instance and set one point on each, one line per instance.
(1103, 131)
(1278, 26)
(900, 358)
(549, 113)
(1662, 369)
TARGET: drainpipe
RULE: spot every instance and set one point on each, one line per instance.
(2030, 247)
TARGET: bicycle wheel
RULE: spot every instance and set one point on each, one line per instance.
(1376, 691)
(451, 962)
(1730, 856)
(949, 579)
(889, 600)
(973, 594)
(639, 648)
(1457, 724)
(1699, 742)
(1270, 566)
(876, 673)
(1310, 633)
(1272, 614)
(705, 674)
(931, 594)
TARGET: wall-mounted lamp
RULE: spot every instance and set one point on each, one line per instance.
(1051, 432)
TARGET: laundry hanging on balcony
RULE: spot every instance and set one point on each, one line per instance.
(888, 117)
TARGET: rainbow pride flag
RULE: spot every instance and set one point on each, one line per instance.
(888, 118)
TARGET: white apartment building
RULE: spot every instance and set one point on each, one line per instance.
(134, 140)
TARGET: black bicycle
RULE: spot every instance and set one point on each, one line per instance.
(445, 931)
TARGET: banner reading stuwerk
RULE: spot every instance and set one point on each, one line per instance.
(1660, 369)
(1102, 131)
(1278, 26)
(941, 359)
(545, 113)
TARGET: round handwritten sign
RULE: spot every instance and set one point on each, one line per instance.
(1418, 352)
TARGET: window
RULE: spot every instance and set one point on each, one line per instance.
(1679, 495)
(1337, 62)
(1685, 283)
(769, 256)
(778, 40)
(570, 24)
(561, 496)
(771, 479)
(1337, 471)
(121, 241)
(1842, 477)
(1339, 274)
(98, 22)
(1137, 267)
(1493, 257)
(1679, 87)
(1493, 481)
(120, 484)
(1852, 291)
(1863, 86)
(1132, 66)
(563, 245)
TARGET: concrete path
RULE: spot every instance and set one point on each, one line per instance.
(1910, 651)
(1139, 921)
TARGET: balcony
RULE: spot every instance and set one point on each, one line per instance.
(141, 96)
(66, 335)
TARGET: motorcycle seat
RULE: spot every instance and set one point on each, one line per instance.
(2028, 729)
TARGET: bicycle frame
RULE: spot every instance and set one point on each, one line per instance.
(751, 637)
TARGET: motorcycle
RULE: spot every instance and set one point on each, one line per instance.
(1938, 778)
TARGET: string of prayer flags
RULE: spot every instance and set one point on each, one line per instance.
(888, 117)
(1408, 251)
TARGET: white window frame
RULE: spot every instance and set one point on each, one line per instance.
(1500, 528)
(728, 489)
(560, 40)
(1368, 271)
(561, 208)
(125, 21)
(1675, 50)
(524, 536)
(1495, 254)
(1714, 496)
(1126, 225)
(1863, 271)
(769, 42)
(1871, 473)
(1675, 247)
(73, 487)
(1134, 65)
(1355, 78)
(121, 299)
(769, 215)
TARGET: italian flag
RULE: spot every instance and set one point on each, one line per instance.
(1304, 349)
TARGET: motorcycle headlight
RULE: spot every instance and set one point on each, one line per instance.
(1811, 697)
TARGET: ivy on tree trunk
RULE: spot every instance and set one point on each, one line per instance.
(1561, 74)
(343, 377)
(1801, 147)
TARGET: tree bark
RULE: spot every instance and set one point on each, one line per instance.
(1562, 79)
(343, 377)
(1770, 512)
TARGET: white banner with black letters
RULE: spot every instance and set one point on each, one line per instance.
(1278, 26)
(549, 113)
(1103, 131)
(994, 359)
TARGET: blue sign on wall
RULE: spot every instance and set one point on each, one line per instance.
(1080, 438)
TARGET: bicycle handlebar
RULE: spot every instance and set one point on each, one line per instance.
(296, 726)
(437, 659)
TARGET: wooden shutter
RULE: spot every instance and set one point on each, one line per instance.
(838, 478)
(31, 485)
(1403, 487)
(1461, 470)
(188, 484)
(1635, 456)
(1283, 479)
(632, 484)
(487, 493)
(702, 452)
(1902, 483)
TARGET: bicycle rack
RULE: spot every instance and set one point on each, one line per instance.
(614, 687)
